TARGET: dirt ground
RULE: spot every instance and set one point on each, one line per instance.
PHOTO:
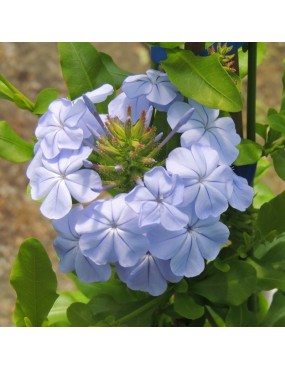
(34, 66)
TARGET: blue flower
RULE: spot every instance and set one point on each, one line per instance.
(207, 185)
(68, 250)
(65, 124)
(118, 107)
(110, 233)
(242, 195)
(60, 178)
(204, 127)
(155, 203)
(154, 85)
(188, 247)
(150, 275)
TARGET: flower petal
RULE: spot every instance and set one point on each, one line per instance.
(58, 202)
(80, 183)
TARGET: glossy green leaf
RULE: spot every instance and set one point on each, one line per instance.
(80, 315)
(261, 130)
(58, 312)
(186, 306)
(12, 147)
(262, 194)
(84, 69)
(10, 92)
(232, 287)
(267, 277)
(275, 255)
(34, 281)
(262, 167)
(44, 99)
(203, 79)
(271, 216)
(118, 74)
(276, 313)
(279, 162)
(249, 152)
(277, 121)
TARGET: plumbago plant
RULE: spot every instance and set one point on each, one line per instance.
(154, 191)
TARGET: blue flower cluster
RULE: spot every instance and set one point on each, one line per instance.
(167, 225)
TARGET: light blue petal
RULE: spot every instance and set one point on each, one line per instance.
(242, 195)
(210, 202)
(49, 144)
(159, 182)
(42, 182)
(203, 114)
(188, 261)
(88, 272)
(70, 138)
(57, 203)
(137, 197)
(135, 86)
(164, 267)
(99, 246)
(65, 226)
(162, 93)
(100, 94)
(149, 214)
(80, 183)
(171, 218)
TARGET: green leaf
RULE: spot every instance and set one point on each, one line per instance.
(262, 167)
(267, 277)
(278, 157)
(84, 69)
(232, 287)
(277, 121)
(203, 79)
(186, 306)
(276, 313)
(58, 312)
(10, 92)
(118, 74)
(249, 152)
(12, 147)
(79, 314)
(271, 216)
(261, 130)
(44, 99)
(275, 255)
(34, 281)
(262, 194)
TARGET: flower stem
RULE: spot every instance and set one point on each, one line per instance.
(251, 90)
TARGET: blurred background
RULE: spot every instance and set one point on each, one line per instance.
(32, 67)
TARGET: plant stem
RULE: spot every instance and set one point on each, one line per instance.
(251, 90)
(237, 116)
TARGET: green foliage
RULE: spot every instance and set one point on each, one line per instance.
(10, 92)
(35, 283)
(276, 313)
(243, 57)
(113, 304)
(12, 147)
(167, 45)
(232, 287)
(44, 99)
(249, 152)
(84, 69)
(186, 306)
(271, 216)
(203, 79)
(278, 157)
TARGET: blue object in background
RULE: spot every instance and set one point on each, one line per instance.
(157, 54)
(247, 171)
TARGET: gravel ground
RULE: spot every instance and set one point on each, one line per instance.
(34, 66)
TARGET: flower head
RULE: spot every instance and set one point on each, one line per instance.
(110, 233)
(61, 178)
(156, 201)
(188, 247)
(207, 185)
(204, 127)
(154, 85)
